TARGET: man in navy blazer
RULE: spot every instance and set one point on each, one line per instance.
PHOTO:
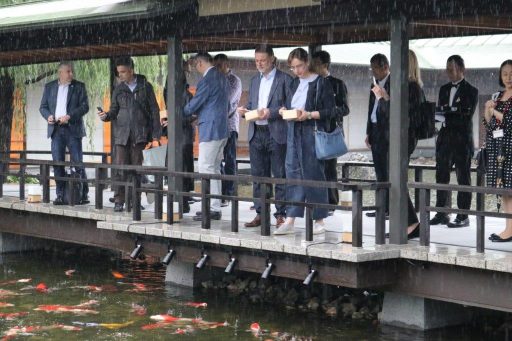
(63, 106)
(268, 93)
(211, 105)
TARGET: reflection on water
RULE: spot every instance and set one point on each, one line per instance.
(109, 298)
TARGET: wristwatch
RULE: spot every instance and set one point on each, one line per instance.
(308, 114)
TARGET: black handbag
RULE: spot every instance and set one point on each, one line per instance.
(481, 161)
(425, 124)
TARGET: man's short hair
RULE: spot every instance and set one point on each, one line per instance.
(323, 56)
(125, 61)
(457, 60)
(204, 56)
(380, 60)
(221, 58)
(264, 49)
(65, 63)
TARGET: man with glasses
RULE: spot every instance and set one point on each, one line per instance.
(211, 105)
(268, 92)
(377, 127)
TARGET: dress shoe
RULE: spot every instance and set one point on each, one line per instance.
(224, 203)
(331, 213)
(186, 207)
(252, 208)
(112, 199)
(458, 223)
(85, 200)
(498, 239)
(279, 221)
(214, 215)
(255, 222)
(373, 214)
(493, 236)
(440, 219)
(59, 201)
(118, 207)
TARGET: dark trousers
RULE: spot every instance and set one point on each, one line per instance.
(267, 159)
(331, 174)
(129, 154)
(380, 154)
(228, 165)
(452, 148)
(62, 139)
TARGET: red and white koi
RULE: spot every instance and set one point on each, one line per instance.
(138, 309)
(196, 304)
(30, 330)
(12, 316)
(79, 309)
(6, 305)
(42, 288)
(69, 272)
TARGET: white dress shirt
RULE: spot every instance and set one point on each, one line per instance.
(453, 91)
(373, 116)
(62, 101)
(264, 93)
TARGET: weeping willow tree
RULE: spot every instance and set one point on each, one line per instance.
(94, 73)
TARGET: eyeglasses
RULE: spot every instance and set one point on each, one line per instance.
(296, 67)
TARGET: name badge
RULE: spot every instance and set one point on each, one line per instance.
(497, 133)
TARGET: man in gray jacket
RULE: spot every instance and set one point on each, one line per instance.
(134, 113)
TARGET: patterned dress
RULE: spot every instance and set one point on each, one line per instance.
(505, 143)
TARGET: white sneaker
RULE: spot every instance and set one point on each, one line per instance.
(318, 228)
(285, 229)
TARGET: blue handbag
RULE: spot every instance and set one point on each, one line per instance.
(328, 145)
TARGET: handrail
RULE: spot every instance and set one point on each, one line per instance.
(101, 179)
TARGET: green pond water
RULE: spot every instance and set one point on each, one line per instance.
(143, 287)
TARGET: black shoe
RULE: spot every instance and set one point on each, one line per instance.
(112, 200)
(498, 239)
(459, 223)
(214, 215)
(118, 207)
(440, 219)
(374, 213)
(415, 233)
(224, 203)
(84, 201)
(493, 236)
(186, 207)
(59, 201)
(331, 213)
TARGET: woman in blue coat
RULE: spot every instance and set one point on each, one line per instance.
(313, 97)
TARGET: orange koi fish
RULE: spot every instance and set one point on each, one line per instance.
(42, 288)
(6, 305)
(255, 328)
(117, 275)
(12, 316)
(196, 304)
(79, 309)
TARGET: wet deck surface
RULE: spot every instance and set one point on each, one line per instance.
(448, 246)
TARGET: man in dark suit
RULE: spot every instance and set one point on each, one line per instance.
(211, 105)
(322, 62)
(454, 146)
(268, 93)
(135, 117)
(377, 128)
(63, 106)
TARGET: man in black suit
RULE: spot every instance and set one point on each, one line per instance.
(377, 128)
(63, 106)
(322, 62)
(454, 145)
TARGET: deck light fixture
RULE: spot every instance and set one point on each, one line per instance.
(231, 264)
(268, 269)
(310, 277)
(169, 256)
(138, 249)
(202, 261)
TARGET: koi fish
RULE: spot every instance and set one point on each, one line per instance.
(117, 275)
(196, 304)
(69, 272)
(12, 316)
(138, 309)
(14, 281)
(139, 287)
(6, 293)
(104, 325)
(29, 330)
(79, 309)
(42, 288)
(165, 318)
(92, 288)
(5, 305)
(255, 328)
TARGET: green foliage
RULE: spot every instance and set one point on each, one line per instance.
(13, 179)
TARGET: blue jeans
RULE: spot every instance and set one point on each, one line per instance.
(267, 158)
(61, 139)
(228, 165)
(301, 163)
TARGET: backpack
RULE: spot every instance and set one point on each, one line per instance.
(78, 189)
(425, 123)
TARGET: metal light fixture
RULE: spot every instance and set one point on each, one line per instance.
(202, 261)
(268, 269)
(138, 249)
(231, 264)
(169, 256)
(311, 276)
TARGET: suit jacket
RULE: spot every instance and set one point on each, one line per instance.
(77, 106)
(382, 113)
(465, 102)
(320, 97)
(211, 104)
(279, 95)
(341, 100)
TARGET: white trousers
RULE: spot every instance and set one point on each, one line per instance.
(210, 157)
